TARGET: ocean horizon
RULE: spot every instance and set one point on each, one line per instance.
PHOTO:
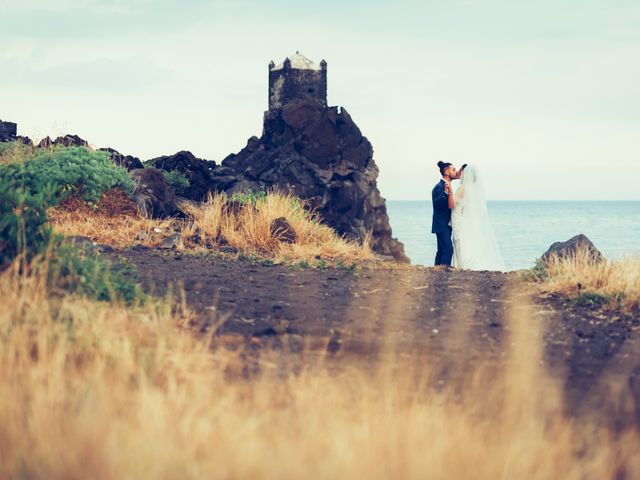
(526, 228)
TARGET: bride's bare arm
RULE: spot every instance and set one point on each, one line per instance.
(451, 200)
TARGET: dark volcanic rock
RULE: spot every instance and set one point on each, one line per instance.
(127, 161)
(170, 242)
(283, 230)
(24, 140)
(571, 246)
(319, 154)
(153, 195)
(198, 172)
(46, 142)
(8, 131)
(65, 141)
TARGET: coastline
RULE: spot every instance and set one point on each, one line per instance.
(525, 229)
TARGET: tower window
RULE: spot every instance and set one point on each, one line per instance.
(311, 90)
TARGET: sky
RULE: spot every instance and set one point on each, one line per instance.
(542, 96)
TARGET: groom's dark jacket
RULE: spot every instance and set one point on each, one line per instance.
(441, 211)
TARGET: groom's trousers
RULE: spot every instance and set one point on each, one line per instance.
(445, 248)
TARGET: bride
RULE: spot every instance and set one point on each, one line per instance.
(474, 243)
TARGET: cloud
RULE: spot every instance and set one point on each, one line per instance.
(116, 75)
(91, 18)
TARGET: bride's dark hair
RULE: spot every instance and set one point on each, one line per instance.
(443, 166)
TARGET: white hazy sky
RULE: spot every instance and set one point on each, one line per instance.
(543, 96)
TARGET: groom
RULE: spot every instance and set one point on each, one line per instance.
(442, 198)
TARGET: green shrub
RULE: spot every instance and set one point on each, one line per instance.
(23, 223)
(66, 171)
(24, 231)
(350, 267)
(589, 298)
(178, 181)
(321, 264)
(538, 273)
(248, 198)
(86, 273)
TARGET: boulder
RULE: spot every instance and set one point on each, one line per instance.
(197, 170)
(127, 161)
(283, 231)
(571, 246)
(171, 242)
(8, 131)
(24, 140)
(222, 183)
(64, 141)
(46, 142)
(86, 245)
(319, 154)
(153, 195)
(71, 141)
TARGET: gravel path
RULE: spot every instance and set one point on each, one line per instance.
(459, 318)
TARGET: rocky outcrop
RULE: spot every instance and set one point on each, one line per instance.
(308, 149)
(46, 142)
(571, 247)
(153, 195)
(198, 172)
(8, 131)
(319, 154)
(127, 161)
(282, 230)
(24, 140)
(64, 141)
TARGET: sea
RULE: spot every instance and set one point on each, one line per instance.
(525, 229)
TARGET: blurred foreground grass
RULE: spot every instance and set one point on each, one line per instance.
(104, 390)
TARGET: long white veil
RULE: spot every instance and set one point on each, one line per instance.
(476, 242)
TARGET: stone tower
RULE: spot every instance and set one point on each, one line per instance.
(8, 131)
(297, 78)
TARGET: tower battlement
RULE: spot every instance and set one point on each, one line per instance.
(297, 78)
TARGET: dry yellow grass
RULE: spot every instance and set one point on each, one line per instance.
(579, 273)
(249, 230)
(114, 221)
(13, 153)
(93, 390)
(117, 231)
(214, 224)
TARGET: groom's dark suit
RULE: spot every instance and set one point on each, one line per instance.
(441, 224)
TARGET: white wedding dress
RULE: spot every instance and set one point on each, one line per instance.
(474, 243)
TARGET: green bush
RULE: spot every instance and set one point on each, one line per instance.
(589, 298)
(23, 223)
(66, 171)
(86, 273)
(538, 273)
(24, 231)
(178, 181)
(248, 198)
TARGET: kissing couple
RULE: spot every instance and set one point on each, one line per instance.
(461, 222)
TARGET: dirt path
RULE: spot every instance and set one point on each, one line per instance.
(460, 318)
